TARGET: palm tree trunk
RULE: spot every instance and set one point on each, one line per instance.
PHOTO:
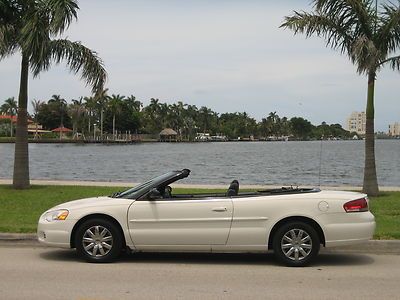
(90, 116)
(370, 184)
(101, 124)
(114, 127)
(21, 157)
(11, 126)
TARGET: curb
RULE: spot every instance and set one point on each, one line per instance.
(373, 246)
(18, 237)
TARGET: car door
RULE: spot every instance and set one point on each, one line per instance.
(180, 221)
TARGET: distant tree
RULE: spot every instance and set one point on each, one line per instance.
(54, 113)
(285, 126)
(36, 105)
(76, 111)
(189, 117)
(152, 117)
(101, 99)
(90, 106)
(133, 103)
(207, 119)
(129, 116)
(115, 107)
(234, 125)
(370, 38)
(301, 128)
(10, 108)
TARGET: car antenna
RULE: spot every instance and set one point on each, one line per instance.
(320, 163)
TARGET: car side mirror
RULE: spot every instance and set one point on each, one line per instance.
(154, 194)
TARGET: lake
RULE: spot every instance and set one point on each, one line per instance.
(270, 163)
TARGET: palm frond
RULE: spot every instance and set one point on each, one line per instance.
(388, 33)
(33, 37)
(359, 13)
(365, 55)
(8, 44)
(336, 35)
(78, 58)
(394, 62)
(62, 13)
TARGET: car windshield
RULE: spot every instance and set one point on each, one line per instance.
(131, 193)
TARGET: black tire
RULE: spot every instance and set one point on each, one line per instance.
(104, 249)
(305, 242)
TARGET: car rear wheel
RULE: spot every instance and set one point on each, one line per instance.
(296, 244)
(98, 240)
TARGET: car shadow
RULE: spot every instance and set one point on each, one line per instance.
(65, 255)
(323, 259)
(342, 259)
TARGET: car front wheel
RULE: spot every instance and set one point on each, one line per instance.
(296, 244)
(98, 240)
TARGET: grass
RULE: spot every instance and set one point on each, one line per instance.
(386, 209)
(20, 210)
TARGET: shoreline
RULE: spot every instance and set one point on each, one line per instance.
(130, 142)
(190, 186)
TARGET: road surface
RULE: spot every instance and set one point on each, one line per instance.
(30, 272)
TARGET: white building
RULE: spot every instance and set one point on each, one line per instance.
(394, 129)
(356, 122)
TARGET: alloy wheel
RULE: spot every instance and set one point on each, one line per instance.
(296, 244)
(97, 241)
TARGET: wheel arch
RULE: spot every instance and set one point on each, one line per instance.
(306, 220)
(96, 216)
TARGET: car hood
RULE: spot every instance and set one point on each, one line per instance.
(92, 202)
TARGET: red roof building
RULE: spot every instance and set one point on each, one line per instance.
(13, 118)
(62, 129)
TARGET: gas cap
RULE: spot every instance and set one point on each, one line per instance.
(323, 206)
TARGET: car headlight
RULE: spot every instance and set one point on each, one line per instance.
(56, 215)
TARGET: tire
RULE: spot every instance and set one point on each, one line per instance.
(296, 244)
(98, 240)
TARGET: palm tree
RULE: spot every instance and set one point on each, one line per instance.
(77, 111)
(135, 104)
(31, 28)
(153, 116)
(101, 98)
(205, 116)
(59, 104)
(189, 120)
(10, 108)
(36, 105)
(370, 38)
(114, 105)
(90, 105)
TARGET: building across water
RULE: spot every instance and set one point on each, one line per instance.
(394, 129)
(356, 122)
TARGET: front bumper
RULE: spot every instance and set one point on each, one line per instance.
(56, 233)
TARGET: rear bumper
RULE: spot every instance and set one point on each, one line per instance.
(349, 229)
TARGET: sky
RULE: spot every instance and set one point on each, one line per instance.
(229, 55)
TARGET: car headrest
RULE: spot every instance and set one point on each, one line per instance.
(235, 187)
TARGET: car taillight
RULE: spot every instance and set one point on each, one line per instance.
(356, 205)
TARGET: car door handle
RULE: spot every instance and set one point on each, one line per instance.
(219, 209)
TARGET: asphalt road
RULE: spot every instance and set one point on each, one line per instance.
(44, 273)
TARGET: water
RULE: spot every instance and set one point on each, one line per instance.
(275, 163)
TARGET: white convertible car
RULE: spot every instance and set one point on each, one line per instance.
(294, 222)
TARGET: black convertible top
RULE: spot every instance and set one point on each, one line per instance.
(161, 184)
